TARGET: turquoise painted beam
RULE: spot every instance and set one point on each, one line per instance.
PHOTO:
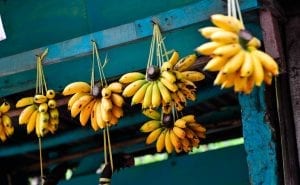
(195, 169)
(258, 137)
(72, 136)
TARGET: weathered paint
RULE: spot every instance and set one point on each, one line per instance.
(258, 137)
(209, 168)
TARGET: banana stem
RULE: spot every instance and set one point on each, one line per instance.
(105, 148)
(110, 151)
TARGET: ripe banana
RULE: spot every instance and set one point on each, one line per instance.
(227, 23)
(94, 124)
(52, 104)
(175, 141)
(174, 58)
(98, 115)
(160, 143)
(179, 132)
(153, 114)
(147, 101)
(224, 37)
(193, 76)
(131, 77)
(227, 51)
(185, 63)
(132, 88)
(39, 98)
(117, 99)
(154, 135)
(267, 62)
(171, 86)
(117, 112)
(74, 98)
(26, 113)
(208, 31)
(140, 94)
(32, 122)
(234, 63)
(76, 87)
(208, 48)
(189, 118)
(168, 75)
(156, 97)
(85, 113)
(24, 102)
(258, 71)
(215, 64)
(168, 144)
(7, 125)
(80, 104)
(150, 125)
(50, 94)
(106, 92)
(116, 87)
(165, 93)
(5, 106)
(43, 107)
(106, 104)
(181, 123)
(247, 66)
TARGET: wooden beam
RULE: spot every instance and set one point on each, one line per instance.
(81, 46)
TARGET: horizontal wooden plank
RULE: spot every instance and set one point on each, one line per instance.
(81, 46)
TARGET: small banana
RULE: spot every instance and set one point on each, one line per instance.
(179, 132)
(227, 51)
(221, 77)
(156, 97)
(208, 48)
(247, 66)
(152, 137)
(185, 63)
(50, 94)
(26, 113)
(147, 101)
(160, 143)
(76, 87)
(193, 76)
(215, 64)
(98, 114)
(267, 61)
(234, 63)
(169, 85)
(258, 71)
(133, 87)
(117, 112)
(94, 123)
(86, 112)
(117, 99)
(106, 92)
(150, 125)
(80, 104)
(39, 98)
(116, 87)
(74, 98)
(43, 107)
(224, 37)
(24, 102)
(174, 58)
(208, 31)
(140, 94)
(175, 140)
(254, 42)
(169, 76)
(54, 113)
(197, 127)
(52, 104)
(168, 144)
(228, 23)
(153, 114)
(181, 123)
(5, 106)
(239, 83)
(165, 93)
(106, 104)
(131, 77)
(189, 118)
(32, 122)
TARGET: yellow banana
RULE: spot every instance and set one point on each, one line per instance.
(86, 112)
(7, 123)
(80, 104)
(131, 77)
(154, 135)
(267, 61)
(234, 63)
(140, 94)
(106, 92)
(215, 64)
(229, 81)
(98, 114)
(208, 48)
(76, 87)
(165, 93)
(197, 127)
(156, 97)
(227, 51)
(166, 66)
(169, 76)
(24, 102)
(43, 107)
(181, 96)
(224, 37)
(133, 87)
(239, 83)
(186, 145)
(50, 94)
(117, 112)
(117, 99)
(5, 106)
(32, 122)
(247, 66)
(166, 107)
(94, 124)
(153, 114)
(190, 133)
(52, 104)
(179, 132)
(26, 113)
(37, 125)
(193, 75)
(174, 58)
(113, 121)
(160, 143)
(184, 64)
(169, 85)
(181, 123)
(105, 114)
(54, 113)
(74, 98)
(147, 101)
(43, 123)
(175, 141)
(221, 77)
(254, 42)
(2, 133)
(268, 77)
(168, 144)
(106, 104)
(228, 23)
(39, 98)
(189, 118)
(249, 85)
(116, 87)
(208, 31)
(201, 135)
(54, 121)
(150, 125)
(258, 71)
(186, 83)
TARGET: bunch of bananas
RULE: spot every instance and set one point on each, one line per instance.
(173, 135)
(178, 70)
(163, 86)
(235, 55)
(40, 113)
(6, 127)
(102, 105)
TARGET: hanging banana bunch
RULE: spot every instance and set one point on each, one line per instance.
(40, 112)
(101, 103)
(177, 70)
(181, 134)
(6, 127)
(235, 53)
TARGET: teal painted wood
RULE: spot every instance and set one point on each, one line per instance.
(259, 142)
(188, 169)
(69, 137)
(79, 49)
